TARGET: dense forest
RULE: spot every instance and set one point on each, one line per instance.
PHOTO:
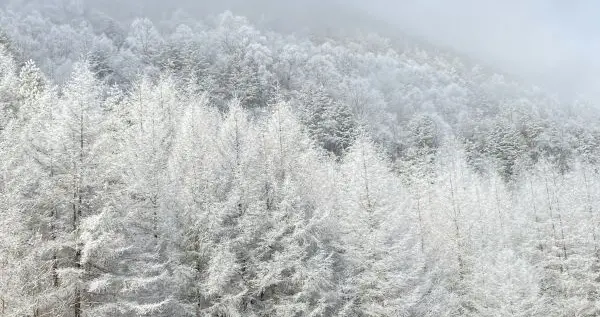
(220, 167)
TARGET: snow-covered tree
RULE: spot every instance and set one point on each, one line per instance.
(380, 247)
(296, 273)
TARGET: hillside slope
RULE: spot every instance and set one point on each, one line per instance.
(216, 167)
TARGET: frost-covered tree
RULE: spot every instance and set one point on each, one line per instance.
(329, 122)
(194, 172)
(79, 130)
(29, 265)
(376, 234)
(145, 280)
(143, 38)
(236, 215)
(296, 274)
(55, 189)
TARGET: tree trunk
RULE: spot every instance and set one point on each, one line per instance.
(77, 305)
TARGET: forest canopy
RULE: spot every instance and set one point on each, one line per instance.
(178, 166)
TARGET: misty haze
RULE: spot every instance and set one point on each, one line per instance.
(299, 158)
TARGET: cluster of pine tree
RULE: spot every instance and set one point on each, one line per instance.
(223, 171)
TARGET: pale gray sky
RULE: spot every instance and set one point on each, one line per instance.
(553, 42)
